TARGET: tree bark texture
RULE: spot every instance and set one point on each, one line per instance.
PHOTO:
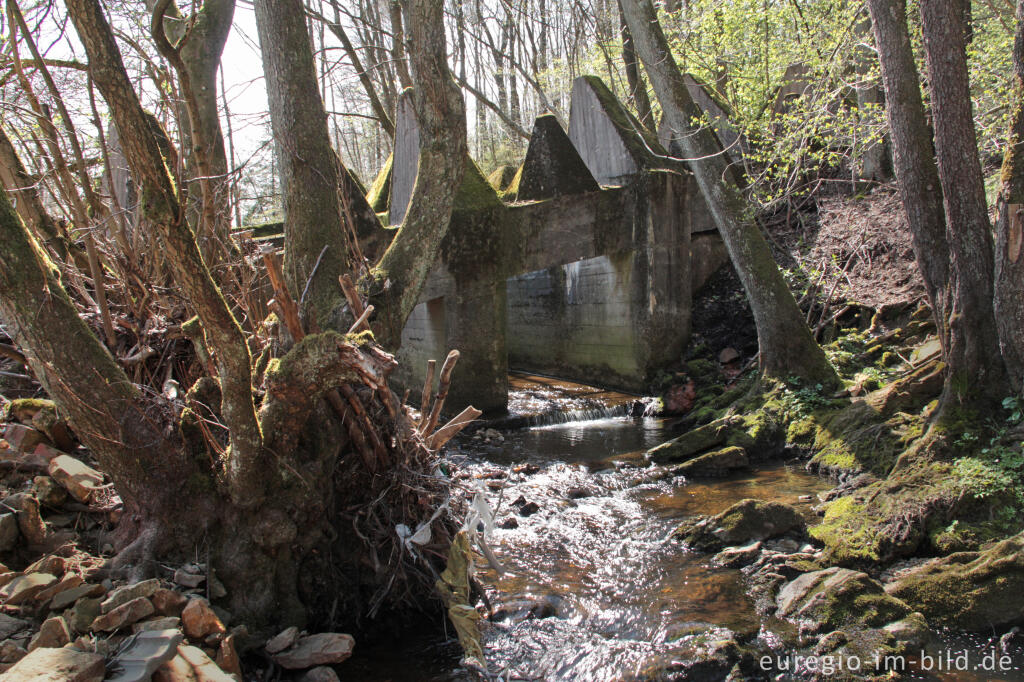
(308, 165)
(1009, 259)
(976, 368)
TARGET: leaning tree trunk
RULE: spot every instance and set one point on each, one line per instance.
(913, 156)
(976, 368)
(1009, 261)
(786, 344)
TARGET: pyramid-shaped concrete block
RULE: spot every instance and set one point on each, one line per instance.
(553, 167)
(611, 141)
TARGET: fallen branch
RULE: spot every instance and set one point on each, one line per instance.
(442, 393)
(452, 428)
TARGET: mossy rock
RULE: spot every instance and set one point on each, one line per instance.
(975, 591)
(42, 415)
(715, 463)
(741, 523)
(857, 439)
(759, 434)
(838, 597)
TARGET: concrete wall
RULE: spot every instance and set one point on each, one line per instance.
(576, 320)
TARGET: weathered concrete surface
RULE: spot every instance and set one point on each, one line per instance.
(594, 285)
(405, 159)
(553, 167)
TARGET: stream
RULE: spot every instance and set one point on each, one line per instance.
(591, 588)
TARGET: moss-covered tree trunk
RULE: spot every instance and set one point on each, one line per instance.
(976, 368)
(786, 344)
(1009, 260)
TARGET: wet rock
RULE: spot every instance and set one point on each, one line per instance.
(707, 655)
(577, 493)
(735, 557)
(57, 665)
(282, 640)
(679, 399)
(320, 674)
(146, 652)
(78, 478)
(743, 522)
(9, 533)
(912, 630)
(10, 625)
(313, 650)
(836, 597)
(508, 523)
(975, 591)
(123, 615)
(53, 633)
(198, 619)
(526, 469)
(168, 602)
(527, 607)
(127, 593)
(65, 598)
(715, 463)
(529, 509)
(25, 587)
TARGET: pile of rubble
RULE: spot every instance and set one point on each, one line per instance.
(59, 621)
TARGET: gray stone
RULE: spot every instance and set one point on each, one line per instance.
(735, 557)
(68, 597)
(53, 633)
(127, 593)
(83, 613)
(123, 615)
(164, 623)
(10, 625)
(282, 640)
(148, 651)
(319, 649)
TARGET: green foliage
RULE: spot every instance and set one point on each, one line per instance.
(801, 400)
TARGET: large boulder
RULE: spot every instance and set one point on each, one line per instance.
(837, 597)
(975, 591)
(714, 464)
(745, 521)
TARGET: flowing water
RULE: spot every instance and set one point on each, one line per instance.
(590, 589)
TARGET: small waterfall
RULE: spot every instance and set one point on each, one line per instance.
(580, 415)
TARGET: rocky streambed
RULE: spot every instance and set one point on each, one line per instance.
(610, 568)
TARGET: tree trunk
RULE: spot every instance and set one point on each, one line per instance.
(396, 283)
(1009, 261)
(786, 344)
(913, 156)
(976, 368)
(637, 88)
(316, 253)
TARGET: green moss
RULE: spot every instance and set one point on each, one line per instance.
(847, 533)
(24, 409)
(379, 196)
(510, 192)
(502, 177)
(475, 193)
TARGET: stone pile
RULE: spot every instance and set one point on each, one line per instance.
(60, 621)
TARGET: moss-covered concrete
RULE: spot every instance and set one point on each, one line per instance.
(379, 194)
